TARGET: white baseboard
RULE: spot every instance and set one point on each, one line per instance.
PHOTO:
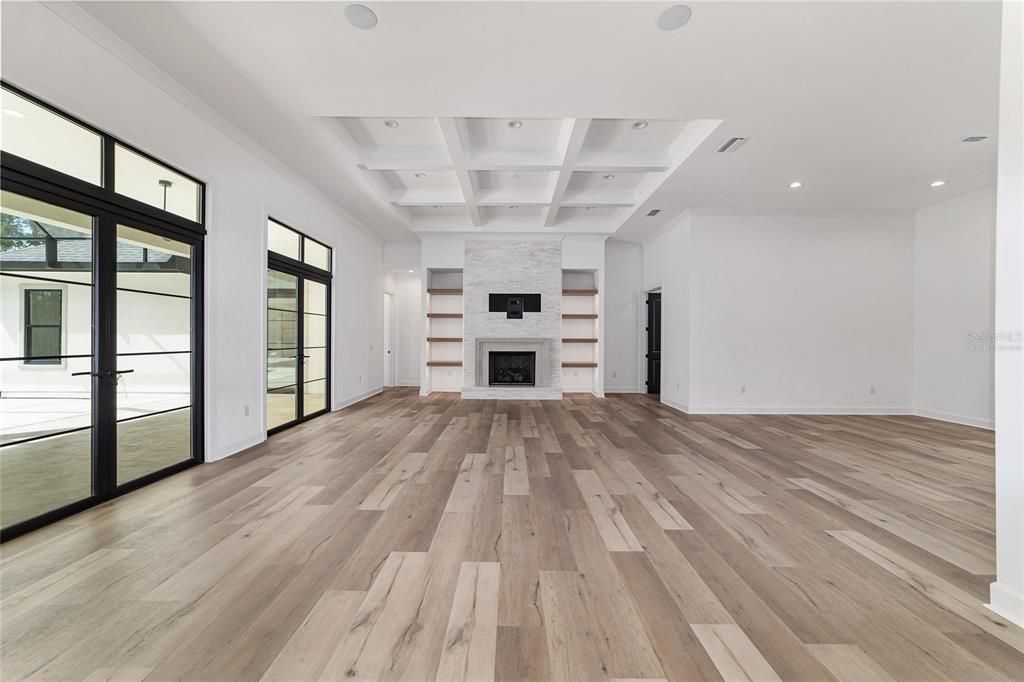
(415, 384)
(772, 409)
(347, 402)
(622, 389)
(957, 419)
(235, 447)
(1006, 602)
(685, 409)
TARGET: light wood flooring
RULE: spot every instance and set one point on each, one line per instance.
(411, 538)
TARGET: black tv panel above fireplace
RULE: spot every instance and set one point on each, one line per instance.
(514, 305)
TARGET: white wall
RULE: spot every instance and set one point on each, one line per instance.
(408, 327)
(785, 313)
(623, 316)
(98, 79)
(806, 312)
(667, 266)
(954, 280)
(1007, 593)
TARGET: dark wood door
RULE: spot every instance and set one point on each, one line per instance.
(654, 342)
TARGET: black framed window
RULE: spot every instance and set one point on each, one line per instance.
(295, 246)
(43, 326)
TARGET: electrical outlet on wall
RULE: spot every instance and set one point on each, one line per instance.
(743, 388)
(614, 374)
(871, 390)
(245, 410)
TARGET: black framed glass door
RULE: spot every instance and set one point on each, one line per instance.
(101, 262)
(153, 368)
(298, 357)
(47, 397)
(298, 326)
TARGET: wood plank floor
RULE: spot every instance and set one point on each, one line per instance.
(411, 538)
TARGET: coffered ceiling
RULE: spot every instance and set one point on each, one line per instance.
(504, 174)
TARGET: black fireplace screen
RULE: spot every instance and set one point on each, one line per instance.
(511, 368)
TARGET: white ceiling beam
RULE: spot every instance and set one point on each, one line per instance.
(574, 132)
(456, 139)
(426, 197)
(512, 197)
(599, 198)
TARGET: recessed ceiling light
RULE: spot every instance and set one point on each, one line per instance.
(412, 272)
(391, 123)
(436, 207)
(513, 207)
(796, 184)
(609, 177)
(674, 17)
(515, 176)
(421, 175)
(361, 16)
(515, 124)
(13, 113)
(640, 125)
(975, 138)
(653, 212)
(591, 208)
(938, 183)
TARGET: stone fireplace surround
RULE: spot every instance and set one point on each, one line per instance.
(515, 265)
(542, 390)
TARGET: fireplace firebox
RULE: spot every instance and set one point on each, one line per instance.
(511, 368)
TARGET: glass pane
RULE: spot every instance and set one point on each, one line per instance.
(152, 443)
(39, 135)
(314, 331)
(147, 323)
(316, 367)
(282, 240)
(316, 254)
(152, 183)
(282, 348)
(148, 262)
(153, 416)
(44, 342)
(45, 411)
(315, 298)
(314, 396)
(44, 306)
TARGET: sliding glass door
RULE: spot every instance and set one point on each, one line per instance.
(298, 327)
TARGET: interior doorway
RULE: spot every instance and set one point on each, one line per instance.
(389, 338)
(653, 332)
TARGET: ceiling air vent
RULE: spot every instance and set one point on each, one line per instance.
(731, 145)
(975, 138)
(653, 212)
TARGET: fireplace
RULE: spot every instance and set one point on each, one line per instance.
(511, 368)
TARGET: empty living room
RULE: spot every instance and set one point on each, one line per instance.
(516, 340)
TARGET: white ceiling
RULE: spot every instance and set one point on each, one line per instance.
(864, 102)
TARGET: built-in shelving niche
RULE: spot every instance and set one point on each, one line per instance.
(580, 331)
(443, 351)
